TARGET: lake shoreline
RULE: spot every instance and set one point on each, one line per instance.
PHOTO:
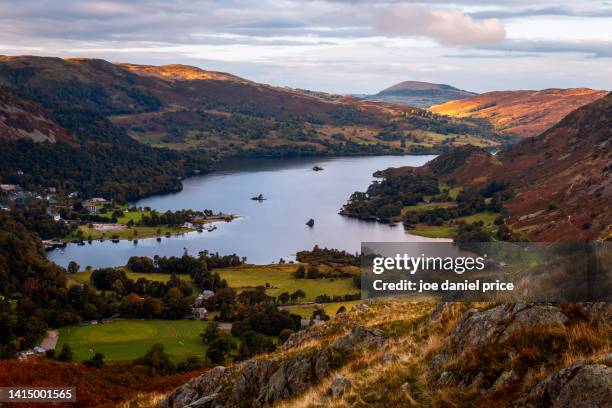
(269, 230)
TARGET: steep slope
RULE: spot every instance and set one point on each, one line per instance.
(23, 119)
(521, 113)
(65, 103)
(562, 179)
(405, 354)
(420, 94)
(183, 107)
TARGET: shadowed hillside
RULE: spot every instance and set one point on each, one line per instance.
(562, 178)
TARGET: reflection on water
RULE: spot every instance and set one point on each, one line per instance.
(267, 230)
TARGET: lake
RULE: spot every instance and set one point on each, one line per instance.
(269, 230)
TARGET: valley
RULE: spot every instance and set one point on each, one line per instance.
(108, 172)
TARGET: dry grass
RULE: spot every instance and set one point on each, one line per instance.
(143, 400)
(406, 380)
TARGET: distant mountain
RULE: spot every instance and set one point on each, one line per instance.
(521, 113)
(420, 94)
(127, 130)
(562, 179)
(184, 107)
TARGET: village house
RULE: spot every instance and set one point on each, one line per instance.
(10, 188)
(202, 297)
(199, 312)
(92, 204)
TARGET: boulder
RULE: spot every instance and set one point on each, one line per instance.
(582, 385)
(339, 386)
(477, 329)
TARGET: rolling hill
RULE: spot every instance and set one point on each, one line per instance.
(183, 107)
(521, 113)
(420, 94)
(561, 179)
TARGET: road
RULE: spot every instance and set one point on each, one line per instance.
(50, 340)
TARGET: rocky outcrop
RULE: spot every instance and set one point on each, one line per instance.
(258, 383)
(478, 328)
(585, 384)
(597, 312)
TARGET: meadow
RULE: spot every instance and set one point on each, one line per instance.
(305, 311)
(83, 277)
(280, 279)
(129, 339)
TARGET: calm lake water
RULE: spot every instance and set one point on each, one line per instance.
(267, 230)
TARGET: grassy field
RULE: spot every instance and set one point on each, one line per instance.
(330, 308)
(130, 339)
(449, 231)
(126, 232)
(280, 279)
(83, 277)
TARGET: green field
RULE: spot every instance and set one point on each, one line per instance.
(125, 233)
(130, 339)
(330, 308)
(449, 231)
(83, 277)
(280, 279)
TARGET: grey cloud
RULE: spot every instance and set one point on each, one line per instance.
(545, 11)
(596, 49)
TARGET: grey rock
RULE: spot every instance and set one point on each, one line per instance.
(506, 378)
(204, 402)
(360, 337)
(339, 386)
(478, 329)
(582, 385)
(390, 357)
(259, 383)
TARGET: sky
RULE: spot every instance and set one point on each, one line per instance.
(340, 46)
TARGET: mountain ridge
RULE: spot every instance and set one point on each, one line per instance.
(522, 113)
(561, 178)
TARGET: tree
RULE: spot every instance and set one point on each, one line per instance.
(73, 267)
(284, 335)
(65, 354)
(97, 361)
(283, 298)
(217, 350)
(319, 313)
(210, 333)
(298, 294)
(300, 272)
(313, 272)
(157, 360)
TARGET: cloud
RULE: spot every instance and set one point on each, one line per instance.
(446, 26)
(543, 11)
(594, 49)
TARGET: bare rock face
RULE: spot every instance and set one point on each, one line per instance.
(585, 384)
(259, 383)
(477, 328)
